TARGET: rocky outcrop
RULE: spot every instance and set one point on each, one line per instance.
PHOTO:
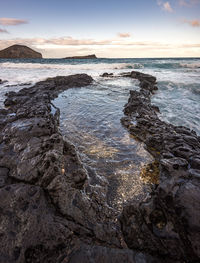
(3, 81)
(167, 223)
(107, 75)
(82, 57)
(19, 51)
(49, 211)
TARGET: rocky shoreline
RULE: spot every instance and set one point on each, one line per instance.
(169, 222)
(50, 212)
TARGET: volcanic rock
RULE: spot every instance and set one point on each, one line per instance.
(167, 223)
(107, 75)
(82, 57)
(49, 211)
(19, 51)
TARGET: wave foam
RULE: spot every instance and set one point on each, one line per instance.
(85, 66)
(190, 65)
(17, 73)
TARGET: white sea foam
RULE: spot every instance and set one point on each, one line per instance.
(190, 65)
(17, 73)
(86, 66)
(178, 80)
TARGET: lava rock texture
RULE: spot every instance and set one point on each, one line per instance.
(168, 222)
(50, 213)
(19, 51)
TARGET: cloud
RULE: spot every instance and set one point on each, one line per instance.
(190, 45)
(124, 35)
(193, 23)
(68, 42)
(184, 3)
(104, 48)
(188, 3)
(12, 21)
(63, 42)
(165, 6)
(75, 42)
(3, 31)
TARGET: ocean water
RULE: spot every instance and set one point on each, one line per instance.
(90, 116)
(178, 80)
(90, 119)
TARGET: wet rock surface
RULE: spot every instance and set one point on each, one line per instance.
(167, 223)
(3, 81)
(48, 211)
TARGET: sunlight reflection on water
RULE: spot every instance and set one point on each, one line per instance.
(90, 119)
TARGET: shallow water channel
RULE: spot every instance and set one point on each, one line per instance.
(90, 119)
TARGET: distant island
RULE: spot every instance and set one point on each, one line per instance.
(19, 51)
(82, 57)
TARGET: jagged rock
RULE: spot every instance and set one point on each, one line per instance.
(100, 254)
(106, 75)
(19, 51)
(29, 221)
(48, 208)
(3, 81)
(50, 212)
(167, 224)
(82, 57)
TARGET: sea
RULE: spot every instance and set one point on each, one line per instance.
(90, 116)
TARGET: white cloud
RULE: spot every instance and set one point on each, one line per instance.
(165, 6)
(12, 21)
(188, 3)
(124, 35)
(193, 23)
(62, 47)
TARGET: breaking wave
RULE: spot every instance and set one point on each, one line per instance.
(190, 65)
(85, 66)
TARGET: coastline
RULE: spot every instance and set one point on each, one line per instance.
(68, 218)
(170, 216)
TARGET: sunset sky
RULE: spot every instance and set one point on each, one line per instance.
(111, 28)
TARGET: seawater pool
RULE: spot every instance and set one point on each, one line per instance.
(90, 119)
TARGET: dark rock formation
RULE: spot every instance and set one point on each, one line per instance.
(19, 51)
(3, 81)
(82, 57)
(167, 223)
(18, 85)
(49, 211)
(107, 75)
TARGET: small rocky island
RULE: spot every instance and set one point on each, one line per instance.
(19, 51)
(82, 57)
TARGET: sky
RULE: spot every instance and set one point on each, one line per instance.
(107, 28)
